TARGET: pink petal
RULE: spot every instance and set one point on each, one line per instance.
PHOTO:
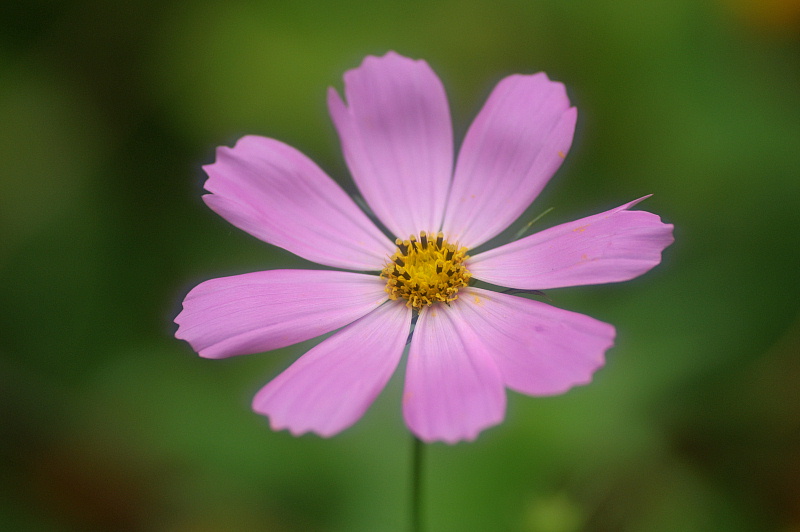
(513, 148)
(397, 140)
(279, 195)
(330, 387)
(540, 349)
(262, 311)
(453, 387)
(612, 246)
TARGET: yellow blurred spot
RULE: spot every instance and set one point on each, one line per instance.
(770, 16)
(557, 512)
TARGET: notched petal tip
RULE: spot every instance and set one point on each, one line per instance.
(334, 99)
(388, 58)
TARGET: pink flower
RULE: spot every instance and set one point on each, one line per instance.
(468, 343)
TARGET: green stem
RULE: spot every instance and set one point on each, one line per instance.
(416, 485)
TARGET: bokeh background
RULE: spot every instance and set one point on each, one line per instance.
(109, 109)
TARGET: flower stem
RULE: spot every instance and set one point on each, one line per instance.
(416, 484)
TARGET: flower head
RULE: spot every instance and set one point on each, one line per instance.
(468, 343)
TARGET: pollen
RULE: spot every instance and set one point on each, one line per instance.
(426, 269)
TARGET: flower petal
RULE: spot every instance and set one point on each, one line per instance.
(279, 195)
(513, 148)
(330, 387)
(540, 349)
(453, 387)
(612, 246)
(262, 311)
(397, 140)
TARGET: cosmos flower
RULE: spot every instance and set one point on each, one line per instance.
(468, 343)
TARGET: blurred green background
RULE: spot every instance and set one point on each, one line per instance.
(107, 112)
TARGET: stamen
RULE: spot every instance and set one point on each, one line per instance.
(424, 271)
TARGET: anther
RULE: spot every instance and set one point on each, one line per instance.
(401, 246)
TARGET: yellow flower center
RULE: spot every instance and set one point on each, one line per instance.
(424, 270)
